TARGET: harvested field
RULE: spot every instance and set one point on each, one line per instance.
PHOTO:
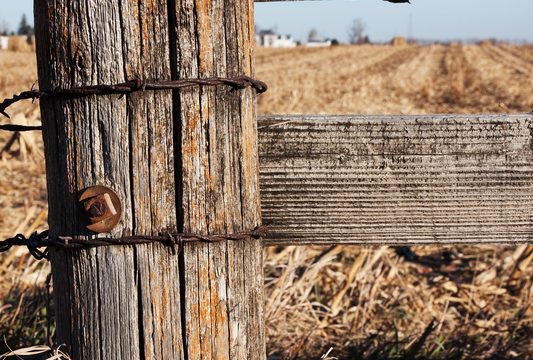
(346, 301)
(406, 79)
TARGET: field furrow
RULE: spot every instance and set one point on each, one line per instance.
(524, 58)
(322, 78)
(510, 89)
(507, 59)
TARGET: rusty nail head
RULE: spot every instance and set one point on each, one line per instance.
(97, 209)
(102, 208)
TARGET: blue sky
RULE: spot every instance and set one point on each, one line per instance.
(431, 19)
(11, 12)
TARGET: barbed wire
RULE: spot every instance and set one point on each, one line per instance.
(20, 128)
(238, 82)
(33, 243)
(42, 240)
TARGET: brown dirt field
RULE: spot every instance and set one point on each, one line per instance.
(346, 301)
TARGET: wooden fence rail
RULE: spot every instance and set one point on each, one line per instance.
(397, 179)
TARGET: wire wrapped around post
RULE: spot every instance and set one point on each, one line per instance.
(42, 240)
(129, 87)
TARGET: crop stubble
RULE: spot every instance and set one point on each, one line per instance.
(317, 297)
(406, 79)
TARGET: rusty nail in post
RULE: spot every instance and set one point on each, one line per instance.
(102, 208)
(97, 209)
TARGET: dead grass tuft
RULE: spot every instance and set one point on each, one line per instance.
(367, 301)
(40, 352)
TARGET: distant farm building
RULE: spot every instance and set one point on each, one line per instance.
(269, 38)
(4, 42)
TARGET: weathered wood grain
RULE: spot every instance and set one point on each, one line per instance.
(220, 182)
(179, 162)
(146, 50)
(397, 179)
(86, 143)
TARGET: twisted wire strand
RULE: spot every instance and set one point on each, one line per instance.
(42, 240)
(238, 82)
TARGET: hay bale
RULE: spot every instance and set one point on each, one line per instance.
(21, 43)
(398, 41)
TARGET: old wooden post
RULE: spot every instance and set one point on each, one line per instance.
(182, 161)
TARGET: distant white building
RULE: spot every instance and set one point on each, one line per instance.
(318, 43)
(4, 42)
(269, 38)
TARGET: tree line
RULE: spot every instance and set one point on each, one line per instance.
(24, 28)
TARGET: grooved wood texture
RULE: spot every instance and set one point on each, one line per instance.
(178, 161)
(397, 179)
(223, 309)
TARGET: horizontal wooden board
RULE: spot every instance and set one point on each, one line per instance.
(397, 179)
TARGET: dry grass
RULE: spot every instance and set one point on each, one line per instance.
(22, 210)
(351, 298)
(343, 301)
